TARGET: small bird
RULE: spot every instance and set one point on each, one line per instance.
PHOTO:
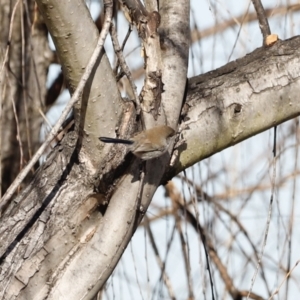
(147, 144)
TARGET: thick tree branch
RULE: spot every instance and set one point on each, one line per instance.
(101, 107)
(239, 100)
(175, 39)
(75, 98)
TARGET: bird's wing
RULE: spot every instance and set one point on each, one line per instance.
(148, 147)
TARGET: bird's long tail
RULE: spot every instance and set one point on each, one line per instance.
(115, 141)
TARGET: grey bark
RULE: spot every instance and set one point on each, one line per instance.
(239, 100)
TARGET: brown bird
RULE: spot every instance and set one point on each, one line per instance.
(147, 144)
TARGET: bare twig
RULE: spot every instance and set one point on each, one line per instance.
(76, 96)
(284, 279)
(136, 273)
(210, 249)
(185, 253)
(123, 46)
(2, 75)
(196, 224)
(124, 66)
(202, 196)
(159, 261)
(127, 36)
(18, 131)
(240, 20)
(269, 214)
(262, 19)
(223, 270)
(25, 98)
(242, 230)
(239, 32)
(293, 211)
(9, 37)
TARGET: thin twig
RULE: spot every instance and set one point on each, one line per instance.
(18, 131)
(262, 19)
(123, 46)
(124, 66)
(293, 211)
(25, 98)
(2, 76)
(202, 196)
(9, 36)
(185, 253)
(166, 278)
(127, 36)
(212, 253)
(221, 209)
(180, 204)
(269, 213)
(76, 96)
(284, 279)
(135, 271)
(238, 34)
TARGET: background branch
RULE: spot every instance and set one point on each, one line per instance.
(262, 19)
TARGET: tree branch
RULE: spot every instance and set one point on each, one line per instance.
(76, 97)
(262, 19)
(237, 101)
